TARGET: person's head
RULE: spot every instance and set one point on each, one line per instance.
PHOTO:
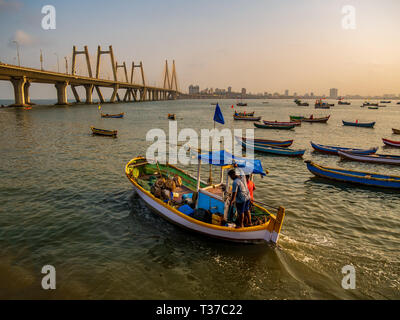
(247, 177)
(232, 174)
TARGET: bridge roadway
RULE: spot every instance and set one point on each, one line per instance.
(22, 77)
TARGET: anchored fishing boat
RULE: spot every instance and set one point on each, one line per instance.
(296, 118)
(246, 118)
(344, 103)
(354, 177)
(244, 114)
(335, 149)
(273, 150)
(171, 116)
(373, 158)
(396, 131)
(317, 120)
(118, 115)
(369, 104)
(386, 101)
(373, 108)
(359, 124)
(103, 132)
(294, 123)
(391, 143)
(300, 103)
(323, 105)
(273, 126)
(263, 142)
(198, 207)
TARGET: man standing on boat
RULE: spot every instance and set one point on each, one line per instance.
(240, 194)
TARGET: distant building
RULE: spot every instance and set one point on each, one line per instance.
(194, 89)
(229, 89)
(333, 93)
(286, 92)
(312, 94)
(243, 91)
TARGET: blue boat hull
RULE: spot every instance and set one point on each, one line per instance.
(334, 150)
(274, 150)
(363, 125)
(354, 177)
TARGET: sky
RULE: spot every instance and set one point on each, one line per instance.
(260, 45)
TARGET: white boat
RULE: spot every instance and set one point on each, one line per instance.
(208, 197)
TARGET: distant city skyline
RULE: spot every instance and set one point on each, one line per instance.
(299, 46)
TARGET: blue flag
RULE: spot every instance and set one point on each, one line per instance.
(218, 117)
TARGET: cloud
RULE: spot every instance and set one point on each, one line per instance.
(9, 5)
(23, 39)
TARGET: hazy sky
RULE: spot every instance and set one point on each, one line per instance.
(264, 45)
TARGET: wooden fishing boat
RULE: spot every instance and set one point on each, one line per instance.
(171, 116)
(398, 102)
(359, 124)
(273, 150)
(295, 123)
(386, 101)
(369, 104)
(300, 103)
(296, 118)
(241, 104)
(373, 158)
(118, 115)
(263, 142)
(323, 105)
(103, 132)
(203, 198)
(391, 143)
(354, 177)
(246, 118)
(373, 108)
(344, 103)
(334, 149)
(244, 114)
(318, 120)
(273, 126)
(396, 131)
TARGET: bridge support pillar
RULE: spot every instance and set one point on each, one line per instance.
(19, 91)
(76, 95)
(89, 93)
(26, 93)
(61, 93)
(114, 94)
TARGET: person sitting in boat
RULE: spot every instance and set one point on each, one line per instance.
(311, 117)
(240, 196)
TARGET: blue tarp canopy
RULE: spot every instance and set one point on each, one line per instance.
(223, 158)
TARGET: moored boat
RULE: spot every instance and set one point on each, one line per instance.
(346, 103)
(369, 104)
(396, 131)
(118, 115)
(372, 158)
(359, 124)
(273, 150)
(373, 108)
(323, 105)
(171, 116)
(273, 126)
(334, 149)
(296, 118)
(275, 143)
(300, 103)
(320, 120)
(391, 143)
(207, 213)
(104, 132)
(386, 101)
(295, 123)
(246, 118)
(354, 177)
(244, 114)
